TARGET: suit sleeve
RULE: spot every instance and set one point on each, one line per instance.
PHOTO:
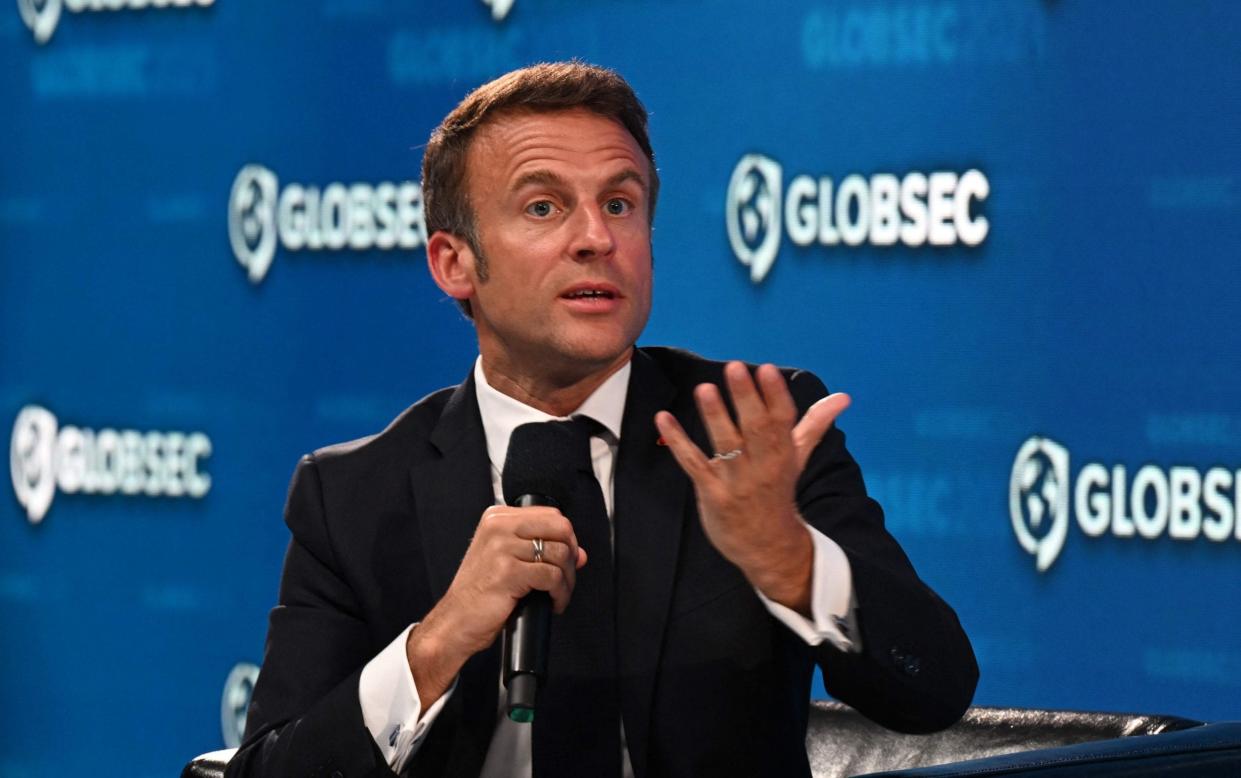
(916, 671)
(305, 718)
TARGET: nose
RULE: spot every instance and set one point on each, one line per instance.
(592, 234)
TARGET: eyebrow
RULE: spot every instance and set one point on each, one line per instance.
(550, 179)
(538, 178)
(628, 174)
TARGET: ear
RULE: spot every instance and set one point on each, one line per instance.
(451, 262)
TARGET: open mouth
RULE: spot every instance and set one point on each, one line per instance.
(590, 294)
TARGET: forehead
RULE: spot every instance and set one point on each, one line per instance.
(575, 140)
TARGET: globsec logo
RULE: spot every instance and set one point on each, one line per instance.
(42, 16)
(916, 209)
(1182, 502)
(44, 457)
(1038, 499)
(336, 217)
(30, 460)
(235, 701)
(252, 219)
(752, 213)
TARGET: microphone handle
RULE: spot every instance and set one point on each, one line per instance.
(527, 634)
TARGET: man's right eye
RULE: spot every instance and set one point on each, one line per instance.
(541, 208)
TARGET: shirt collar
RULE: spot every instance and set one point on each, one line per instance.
(503, 414)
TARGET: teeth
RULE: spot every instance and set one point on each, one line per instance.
(590, 293)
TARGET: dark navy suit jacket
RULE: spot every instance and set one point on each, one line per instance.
(711, 683)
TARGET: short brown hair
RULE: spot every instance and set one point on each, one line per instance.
(548, 86)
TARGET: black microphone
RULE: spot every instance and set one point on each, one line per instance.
(539, 469)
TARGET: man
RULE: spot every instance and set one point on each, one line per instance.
(729, 575)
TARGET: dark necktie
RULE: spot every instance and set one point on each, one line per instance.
(577, 723)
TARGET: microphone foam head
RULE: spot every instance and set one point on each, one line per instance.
(542, 460)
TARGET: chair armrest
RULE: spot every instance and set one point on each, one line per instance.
(210, 765)
(1206, 751)
(841, 742)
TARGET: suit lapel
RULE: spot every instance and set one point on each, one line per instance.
(650, 494)
(452, 487)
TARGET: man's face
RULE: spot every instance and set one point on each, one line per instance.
(560, 200)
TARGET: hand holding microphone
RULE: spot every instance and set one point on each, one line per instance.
(499, 573)
(539, 470)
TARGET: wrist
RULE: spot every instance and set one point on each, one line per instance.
(784, 571)
(434, 658)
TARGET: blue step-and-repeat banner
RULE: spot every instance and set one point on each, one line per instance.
(1008, 227)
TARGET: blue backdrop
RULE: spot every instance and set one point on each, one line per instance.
(1021, 233)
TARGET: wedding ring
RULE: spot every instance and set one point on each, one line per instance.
(538, 549)
(736, 452)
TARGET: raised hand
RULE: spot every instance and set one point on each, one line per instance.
(746, 490)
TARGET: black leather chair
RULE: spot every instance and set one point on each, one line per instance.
(987, 741)
(841, 742)
(1208, 751)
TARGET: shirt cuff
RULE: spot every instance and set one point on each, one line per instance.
(832, 606)
(391, 708)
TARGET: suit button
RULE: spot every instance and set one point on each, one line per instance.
(337, 774)
(909, 665)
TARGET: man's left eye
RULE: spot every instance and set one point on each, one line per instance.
(616, 206)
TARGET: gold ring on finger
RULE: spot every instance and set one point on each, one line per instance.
(538, 549)
(727, 455)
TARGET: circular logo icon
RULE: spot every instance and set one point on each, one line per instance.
(235, 701)
(752, 213)
(252, 219)
(30, 460)
(41, 16)
(499, 8)
(1038, 499)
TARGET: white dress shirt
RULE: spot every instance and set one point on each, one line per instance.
(390, 705)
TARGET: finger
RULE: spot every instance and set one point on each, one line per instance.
(814, 425)
(751, 410)
(566, 575)
(753, 416)
(776, 395)
(687, 454)
(766, 430)
(721, 431)
(562, 552)
(564, 556)
(554, 552)
(543, 522)
(540, 522)
(565, 560)
(551, 579)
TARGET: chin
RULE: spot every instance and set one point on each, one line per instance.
(594, 355)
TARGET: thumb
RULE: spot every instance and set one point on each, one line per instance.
(815, 423)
